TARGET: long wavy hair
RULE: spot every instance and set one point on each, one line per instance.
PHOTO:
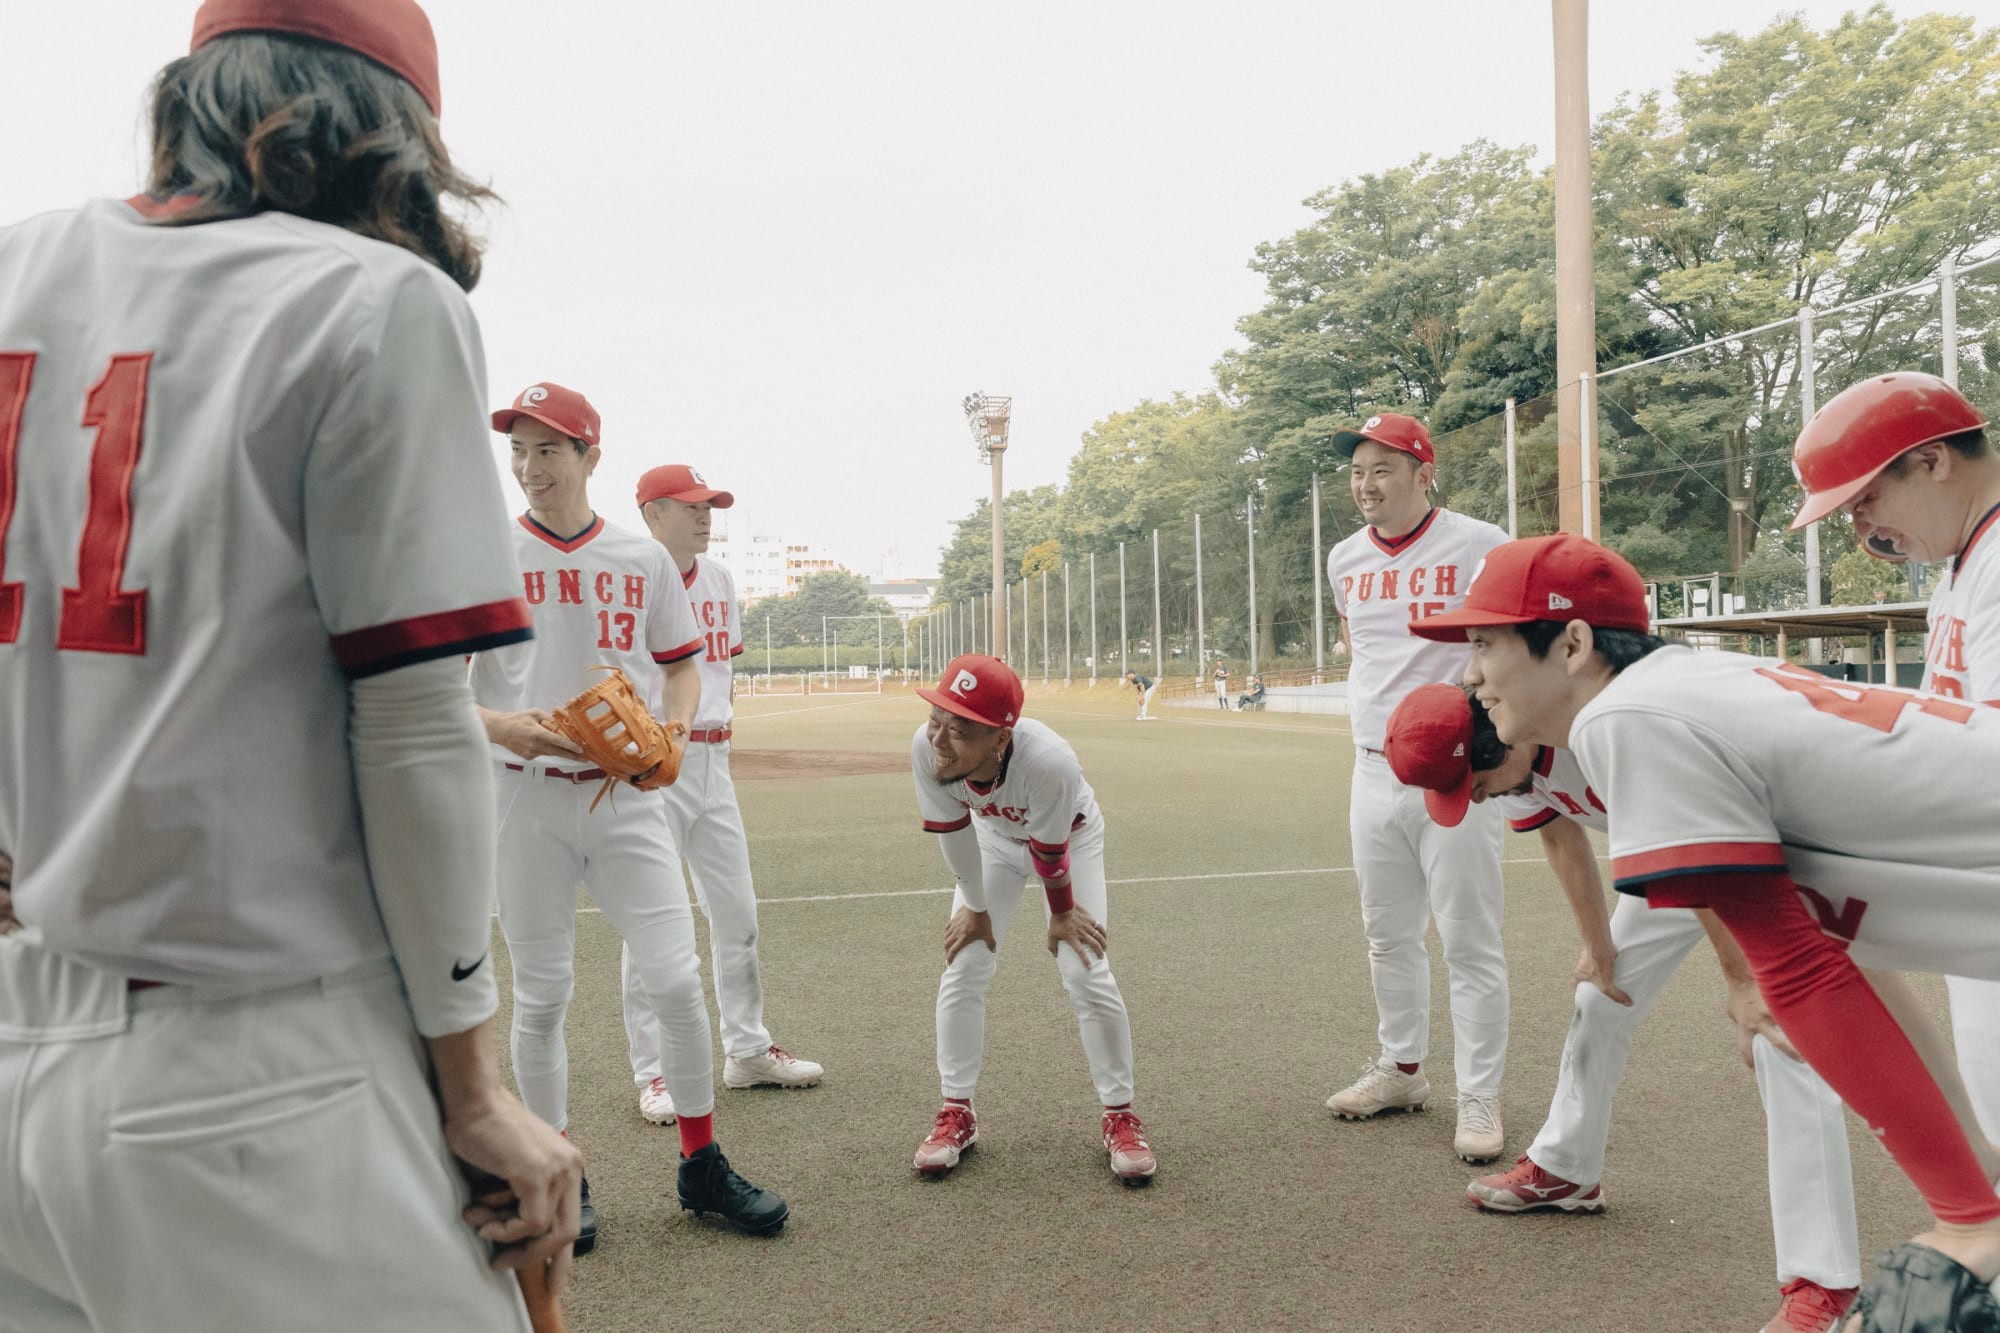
(256, 122)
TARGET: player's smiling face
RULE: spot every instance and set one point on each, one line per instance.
(551, 471)
(1526, 696)
(1514, 777)
(1389, 487)
(962, 749)
(1906, 513)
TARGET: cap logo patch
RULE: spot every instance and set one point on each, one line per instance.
(699, 480)
(1558, 602)
(529, 397)
(1371, 423)
(964, 684)
(1458, 750)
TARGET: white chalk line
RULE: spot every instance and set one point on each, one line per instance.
(1142, 879)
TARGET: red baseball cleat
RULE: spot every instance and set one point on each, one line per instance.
(1804, 1306)
(1132, 1157)
(954, 1131)
(1527, 1186)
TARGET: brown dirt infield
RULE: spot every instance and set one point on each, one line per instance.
(754, 765)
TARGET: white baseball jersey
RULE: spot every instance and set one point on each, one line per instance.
(1557, 789)
(1040, 797)
(1380, 587)
(241, 463)
(600, 597)
(1962, 649)
(1715, 762)
(711, 591)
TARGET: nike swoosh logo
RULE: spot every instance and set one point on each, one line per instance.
(460, 973)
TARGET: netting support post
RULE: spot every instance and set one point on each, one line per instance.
(1250, 526)
(1586, 420)
(1045, 624)
(1069, 665)
(1513, 484)
(1808, 408)
(1159, 639)
(1093, 617)
(1319, 593)
(1200, 618)
(1124, 633)
(1948, 316)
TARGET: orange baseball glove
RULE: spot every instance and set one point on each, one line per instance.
(615, 730)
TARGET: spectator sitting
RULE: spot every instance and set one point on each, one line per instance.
(1252, 697)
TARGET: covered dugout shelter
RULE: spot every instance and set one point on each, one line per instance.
(1773, 632)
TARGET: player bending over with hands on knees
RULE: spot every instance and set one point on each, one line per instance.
(246, 1026)
(1007, 799)
(1442, 740)
(1712, 768)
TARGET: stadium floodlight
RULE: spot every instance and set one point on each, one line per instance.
(988, 418)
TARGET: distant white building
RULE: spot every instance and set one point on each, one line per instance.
(910, 597)
(757, 562)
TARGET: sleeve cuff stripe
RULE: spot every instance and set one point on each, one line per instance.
(680, 654)
(938, 826)
(1701, 858)
(1533, 822)
(1048, 850)
(737, 651)
(379, 648)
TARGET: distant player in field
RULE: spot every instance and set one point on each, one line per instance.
(600, 596)
(1144, 687)
(1907, 456)
(1411, 561)
(1444, 742)
(676, 504)
(1815, 818)
(250, 530)
(1221, 685)
(1007, 799)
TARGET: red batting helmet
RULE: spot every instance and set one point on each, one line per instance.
(1868, 426)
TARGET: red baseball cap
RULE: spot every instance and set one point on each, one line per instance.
(1392, 430)
(557, 408)
(394, 34)
(1430, 746)
(978, 688)
(1564, 577)
(678, 481)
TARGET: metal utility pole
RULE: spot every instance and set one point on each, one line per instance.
(990, 418)
(1250, 525)
(1200, 617)
(1319, 592)
(1159, 639)
(1576, 296)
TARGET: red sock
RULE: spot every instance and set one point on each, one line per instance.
(966, 1102)
(1409, 1068)
(697, 1132)
(1122, 1106)
(1845, 1032)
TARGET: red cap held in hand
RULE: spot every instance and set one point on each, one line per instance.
(394, 34)
(678, 481)
(1430, 746)
(1392, 430)
(1564, 577)
(558, 408)
(980, 689)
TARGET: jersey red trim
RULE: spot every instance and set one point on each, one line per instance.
(680, 654)
(1545, 761)
(401, 643)
(688, 574)
(1398, 545)
(1542, 819)
(1978, 530)
(1632, 873)
(563, 544)
(1048, 850)
(938, 826)
(737, 651)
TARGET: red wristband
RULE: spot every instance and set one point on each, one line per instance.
(1060, 898)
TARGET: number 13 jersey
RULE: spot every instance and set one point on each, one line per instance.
(600, 597)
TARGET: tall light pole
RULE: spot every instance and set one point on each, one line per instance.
(1576, 295)
(989, 418)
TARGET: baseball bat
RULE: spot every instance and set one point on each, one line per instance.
(544, 1309)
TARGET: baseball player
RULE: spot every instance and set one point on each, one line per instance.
(250, 530)
(1221, 685)
(600, 596)
(1144, 687)
(1411, 561)
(1713, 768)
(1007, 799)
(701, 810)
(1907, 456)
(1444, 742)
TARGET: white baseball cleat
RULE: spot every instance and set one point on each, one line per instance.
(776, 1067)
(1480, 1137)
(655, 1104)
(1381, 1087)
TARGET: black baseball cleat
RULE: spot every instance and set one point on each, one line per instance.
(586, 1236)
(708, 1185)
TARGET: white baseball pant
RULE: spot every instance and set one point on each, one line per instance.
(1975, 1032)
(1222, 692)
(1410, 870)
(707, 825)
(625, 854)
(1093, 991)
(1146, 700)
(1811, 1180)
(220, 1160)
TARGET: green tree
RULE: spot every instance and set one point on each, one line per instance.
(798, 617)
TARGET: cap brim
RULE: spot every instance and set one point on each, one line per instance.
(504, 419)
(699, 495)
(951, 704)
(1345, 442)
(1450, 626)
(1821, 503)
(1447, 808)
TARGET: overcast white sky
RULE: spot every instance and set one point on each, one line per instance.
(781, 241)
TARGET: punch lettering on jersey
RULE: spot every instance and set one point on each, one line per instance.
(602, 584)
(569, 587)
(536, 585)
(1446, 584)
(1388, 585)
(635, 590)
